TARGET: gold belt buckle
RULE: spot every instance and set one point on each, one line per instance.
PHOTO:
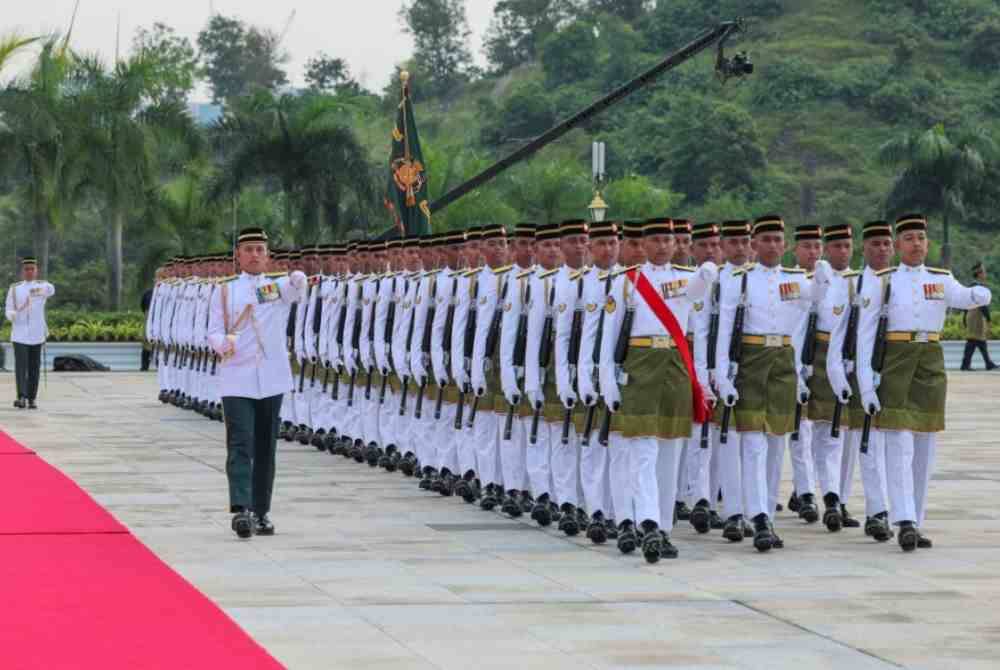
(660, 341)
(773, 340)
(921, 336)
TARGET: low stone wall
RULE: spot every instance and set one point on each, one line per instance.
(119, 356)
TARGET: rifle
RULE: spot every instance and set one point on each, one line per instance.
(339, 338)
(573, 355)
(878, 359)
(808, 356)
(595, 357)
(449, 324)
(425, 346)
(520, 345)
(409, 348)
(468, 345)
(544, 356)
(621, 355)
(215, 360)
(713, 336)
(355, 343)
(735, 354)
(492, 335)
(848, 351)
(390, 323)
(371, 340)
(317, 321)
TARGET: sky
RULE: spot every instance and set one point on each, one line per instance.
(366, 33)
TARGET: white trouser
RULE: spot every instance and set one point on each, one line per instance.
(301, 400)
(667, 464)
(873, 475)
(538, 460)
(288, 408)
(565, 465)
(714, 469)
(829, 453)
(909, 462)
(161, 373)
(370, 418)
(731, 471)
(643, 460)
(445, 438)
(486, 438)
(594, 479)
(848, 459)
(619, 481)
(699, 467)
(682, 486)
(465, 443)
(802, 459)
(762, 459)
(388, 418)
(513, 454)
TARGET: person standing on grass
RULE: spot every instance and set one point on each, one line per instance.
(25, 309)
(247, 322)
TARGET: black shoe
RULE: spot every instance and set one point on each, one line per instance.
(32, 405)
(878, 527)
(358, 451)
(611, 529)
(19, 403)
(527, 502)
(700, 517)
(318, 441)
(473, 491)
(779, 508)
(386, 459)
(510, 505)
(776, 542)
(163, 397)
(627, 541)
(330, 443)
(849, 521)
(437, 484)
(262, 525)
(597, 530)
(794, 502)
(808, 511)
(733, 528)
(908, 536)
(831, 515)
(568, 524)
(408, 465)
(716, 522)
(428, 479)
(667, 550)
(923, 542)
(681, 511)
(763, 538)
(372, 455)
(541, 513)
(305, 435)
(490, 498)
(652, 541)
(290, 433)
(448, 482)
(242, 525)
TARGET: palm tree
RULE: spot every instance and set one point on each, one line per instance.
(551, 189)
(939, 173)
(301, 146)
(10, 44)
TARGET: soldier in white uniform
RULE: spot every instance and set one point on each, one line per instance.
(247, 330)
(25, 309)
(419, 407)
(907, 396)
(762, 382)
(470, 486)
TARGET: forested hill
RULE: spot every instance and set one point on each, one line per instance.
(806, 135)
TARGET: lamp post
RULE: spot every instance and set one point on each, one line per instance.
(598, 208)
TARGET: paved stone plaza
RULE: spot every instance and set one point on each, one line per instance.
(366, 571)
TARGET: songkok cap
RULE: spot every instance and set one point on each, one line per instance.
(876, 229)
(251, 235)
(573, 227)
(769, 223)
(659, 225)
(492, 231)
(547, 231)
(525, 231)
(682, 226)
(735, 228)
(701, 231)
(911, 222)
(29, 260)
(808, 231)
(605, 229)
(632, 229)
(837, 231)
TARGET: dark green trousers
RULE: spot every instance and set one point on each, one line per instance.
(251, 443)
(27, 363)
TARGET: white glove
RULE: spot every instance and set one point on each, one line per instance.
(297, 279)
(536, 398)
(568, 399)
(802, 390)
(824, 272)
(841, 387)
(612, 398)
(708, 272)
(728, 392)
(869, 400)
(512, 396)
(588, 395)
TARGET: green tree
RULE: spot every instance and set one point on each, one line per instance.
(173, 60)
(549, 189)
(10, 44)
(627, 10)
(303, 147)
(939, 173)
(635, 197)
(440, 33)
(571, 55)
(238, 58)
(518, 28)
(325, 74)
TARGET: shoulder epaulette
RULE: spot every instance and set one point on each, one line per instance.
(431, 273)
(622, 271)
(686, 268)
(576, 274)
(471, 272)
(505, 269)
(885, 272)
(938, 271)
(526, 273)
(796, 271)
(849, 273)
(810, 275)
(229, 278)
(547, 273)
(456, 273)
(276, 274)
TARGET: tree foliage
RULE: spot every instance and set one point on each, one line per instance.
(440, 33)
(238, 58)
(172, 59)
(519, 27)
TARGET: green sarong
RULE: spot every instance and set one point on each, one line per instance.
(767, 387)
(913, 387)
(656, 401)
(821, 398)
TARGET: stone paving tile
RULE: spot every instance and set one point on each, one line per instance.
(368, 572)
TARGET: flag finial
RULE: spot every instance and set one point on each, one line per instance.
(404, 76)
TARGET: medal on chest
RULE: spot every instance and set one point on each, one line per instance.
(267, 293)
(933, 291)
(673, 289)
(789, 291)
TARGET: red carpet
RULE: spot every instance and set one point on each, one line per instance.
(80, 592)
(9, 446)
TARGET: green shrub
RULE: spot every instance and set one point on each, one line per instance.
(83, 326)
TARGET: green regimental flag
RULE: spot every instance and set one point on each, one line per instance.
(406, 192)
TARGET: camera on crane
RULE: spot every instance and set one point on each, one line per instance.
(736, 66)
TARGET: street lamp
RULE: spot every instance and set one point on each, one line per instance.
(598, 208)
